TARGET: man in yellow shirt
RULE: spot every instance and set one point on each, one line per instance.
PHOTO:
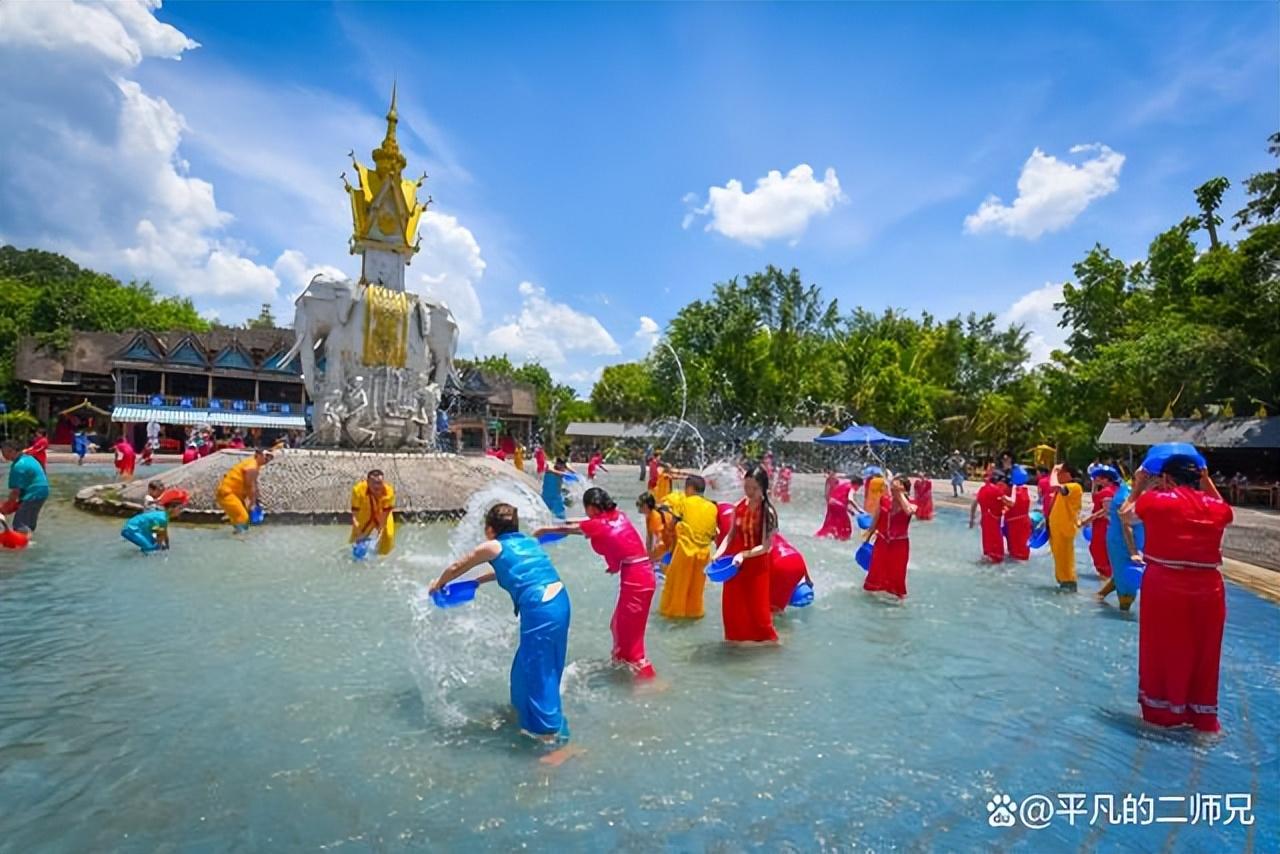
(238, 490)
(373, 502)
(696, 526)
(1063, 518)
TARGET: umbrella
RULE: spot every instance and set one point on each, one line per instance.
(859, 434)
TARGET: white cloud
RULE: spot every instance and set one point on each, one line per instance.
(648, 333)
(101, 176)
(779, 206)
(451, 265)
(296, 272)
(119, 34)
(1051, 193)
(1035, 312)
(549, 332)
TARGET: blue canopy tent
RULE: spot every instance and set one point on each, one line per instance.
(859, 434)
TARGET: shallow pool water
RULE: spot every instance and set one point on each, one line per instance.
(271, 694)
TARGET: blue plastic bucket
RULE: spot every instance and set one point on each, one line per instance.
(455, 594)
(257, 514)
(721, 569)
(863, 556)
(802, 595)
(864, 521)
(554, 537)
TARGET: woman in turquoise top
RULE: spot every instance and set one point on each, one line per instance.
(553, 487)
(522, 568)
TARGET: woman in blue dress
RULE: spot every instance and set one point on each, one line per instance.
(522, 568)
(1124, 548)
(553, 486)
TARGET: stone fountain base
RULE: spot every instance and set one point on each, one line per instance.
(314, 486)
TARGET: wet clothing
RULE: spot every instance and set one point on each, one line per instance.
(374, 515)
(613, 537)
(1184, 607)
(1098, 532)
(1017, 524)
(233, 492)
(1063, 516)
(786, 570)
(837, 525)
(685, 582)
(126, 459)
(888, 570)
(1126, 577)
(924, 499)
(746, 612)
(27, 476)
(141, 529)
(551, 494)
(991, 506)
(39, 452)
(527, 574)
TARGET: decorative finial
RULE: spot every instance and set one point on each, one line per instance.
(391, 113)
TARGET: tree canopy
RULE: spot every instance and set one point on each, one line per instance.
(1186, 330)
(49, 296)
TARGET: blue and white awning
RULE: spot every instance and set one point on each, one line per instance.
(186, 416)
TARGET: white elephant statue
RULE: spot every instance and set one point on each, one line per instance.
(325, 313)
(441, 333)
(330, 318)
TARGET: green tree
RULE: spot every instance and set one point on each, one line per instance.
(626, 393)
(1209, 198)
(1263, 189)
(264, 320)
(46, 295)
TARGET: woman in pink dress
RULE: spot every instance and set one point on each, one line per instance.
(613, 537)
(888, 570)
(838, 524)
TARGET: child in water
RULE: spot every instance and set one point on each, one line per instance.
(154, 490)
(522, 568)
(373, 503)
(149, 530)
(613, 537)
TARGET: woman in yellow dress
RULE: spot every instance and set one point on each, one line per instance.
(238, 489)
(373, 502)
(519, 457)
(697, 521)
(1063, 519)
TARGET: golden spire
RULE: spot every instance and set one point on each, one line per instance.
(384, 206)
(387, 157)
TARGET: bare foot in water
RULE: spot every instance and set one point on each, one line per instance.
(558, 757)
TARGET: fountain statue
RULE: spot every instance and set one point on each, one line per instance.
(375, 357)
(375, 360)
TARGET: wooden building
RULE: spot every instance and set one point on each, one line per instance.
(230, 378)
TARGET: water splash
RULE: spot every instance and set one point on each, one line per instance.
(451, 649)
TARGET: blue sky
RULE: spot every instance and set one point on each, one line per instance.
(573, 149)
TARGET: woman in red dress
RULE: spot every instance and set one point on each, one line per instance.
(1105, 480)
(745, 604)
(888, 570)
(924, 498)
(1184, 605)
(1017, 523)
(990, 499)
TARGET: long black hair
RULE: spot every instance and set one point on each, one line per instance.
(769, 518)
(646, 500)
(599, 499)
